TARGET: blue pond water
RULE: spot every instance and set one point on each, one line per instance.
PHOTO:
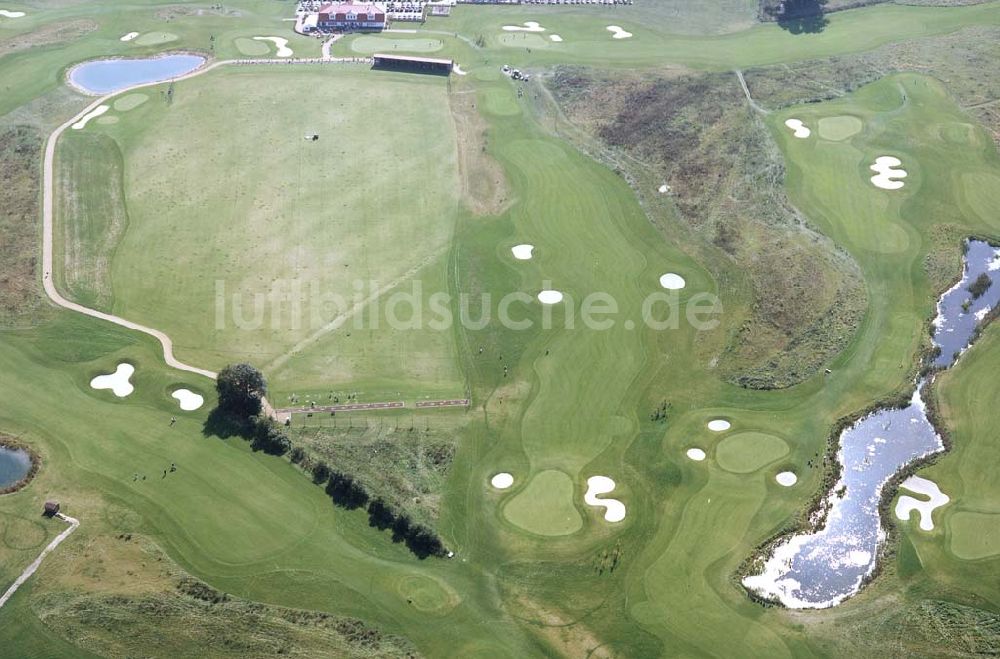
(955, 325)
(14, 465)
(111, 75)
(824, 567)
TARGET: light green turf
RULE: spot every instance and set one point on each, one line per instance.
(839, 128)
(366, 45)
(130, 101)
(154, 38)
(252, 47)
(545, 505)
(574, 402)
(746, 452)
(974, 535)
(317, 222)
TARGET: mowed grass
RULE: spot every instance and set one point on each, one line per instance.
(249, 523)
(367, 45)
(265, 258)
(964, 548)
(545, 505)
(659, 39)
(575, 400)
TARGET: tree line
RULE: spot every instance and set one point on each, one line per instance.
(241, 388)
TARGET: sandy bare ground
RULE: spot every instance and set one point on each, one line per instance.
(30, 570)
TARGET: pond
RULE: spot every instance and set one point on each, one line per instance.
(112, 75)
(824, 567)
(14, 465)
(959, 310)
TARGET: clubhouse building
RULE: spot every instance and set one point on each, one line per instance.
(346, 17)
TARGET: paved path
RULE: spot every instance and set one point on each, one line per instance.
(746, 91)
(48, 195)
(285, 412)
(455, 402)
(30, 570)
(346, 407)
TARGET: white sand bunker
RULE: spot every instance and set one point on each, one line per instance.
(280, 43)
(550, 297)
(800, 128)
(529, 26)
(597, 485)
(672, 281)
(718, 425)
(189, 400)
(522, 252)
(618, 33)
(555, 37)
(11, 14)
(457, 70)
(908, 504)
(885, 172)
(129, 36)
(696, 454)
(85, 119)
(502, 481)
(117, 382)
(787, 478)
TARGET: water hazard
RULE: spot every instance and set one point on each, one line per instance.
(825, 567)
(14, 465)
(112, 75)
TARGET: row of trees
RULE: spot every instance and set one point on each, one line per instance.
(241, 389)
(349, 493)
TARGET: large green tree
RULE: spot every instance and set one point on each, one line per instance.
(241, 388)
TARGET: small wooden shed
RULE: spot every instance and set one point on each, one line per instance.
(51, 508)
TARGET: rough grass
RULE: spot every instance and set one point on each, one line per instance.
(402, 459)
(121, 596)
(53, 33)
(21, 301)
(93, 218)
(964, 61)
(726, 183)
(484, 185)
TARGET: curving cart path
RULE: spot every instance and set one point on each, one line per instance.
(30, 570)
(48, 187)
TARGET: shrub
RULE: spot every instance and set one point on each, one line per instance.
(321, 473)
(240, 388)
(979, 287)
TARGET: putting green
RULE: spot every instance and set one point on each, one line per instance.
(130, 102)
(525, 40)
(155, 38)
(107, 120)
(498, 102)
(545, 506)
(840, 127)
(957, 132)
(749, 451)
(252, 47)
(974, 535)
(982, 193)
(425, 593)
(367, 45)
